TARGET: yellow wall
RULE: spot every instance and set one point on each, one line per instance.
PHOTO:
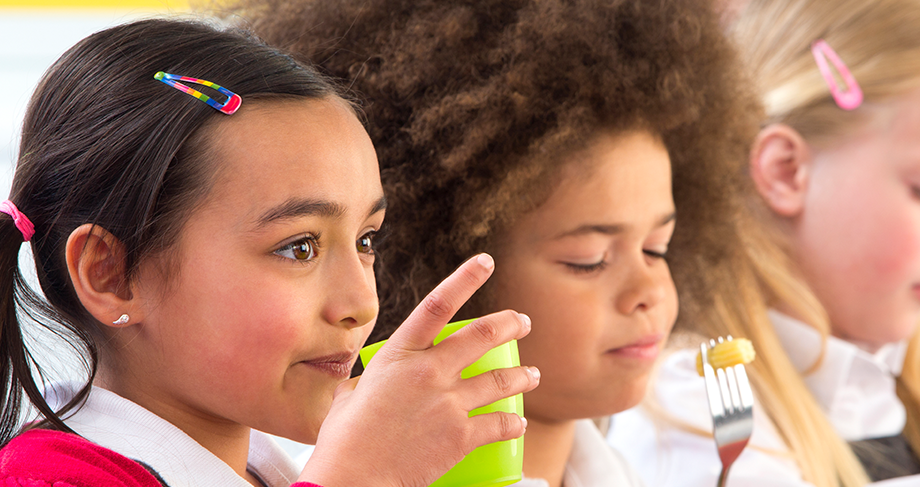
(95, 4)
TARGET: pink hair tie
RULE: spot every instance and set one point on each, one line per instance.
(22, 222)
(853, 96)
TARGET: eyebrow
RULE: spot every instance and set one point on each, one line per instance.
(608, 229)
(296, 208)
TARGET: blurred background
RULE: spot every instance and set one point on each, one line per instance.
(33, 34)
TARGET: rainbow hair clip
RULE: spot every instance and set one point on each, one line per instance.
(229, 107)
(853, 96)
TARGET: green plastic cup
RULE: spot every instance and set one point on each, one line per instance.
(496, 464)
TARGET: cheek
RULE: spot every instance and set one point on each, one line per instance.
(274, 315)
(894, 256)
(670, 303)
(872, 238)
(561, 318)
(239, 313)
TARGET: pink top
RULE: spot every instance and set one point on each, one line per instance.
(45, 458)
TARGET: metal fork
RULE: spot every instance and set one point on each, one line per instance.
(731, 403)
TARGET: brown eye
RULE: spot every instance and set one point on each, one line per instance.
(303, 250)
(365, 244)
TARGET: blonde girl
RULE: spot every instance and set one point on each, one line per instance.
(210, 248)
(834, 252)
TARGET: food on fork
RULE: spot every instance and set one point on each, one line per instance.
(727, 354)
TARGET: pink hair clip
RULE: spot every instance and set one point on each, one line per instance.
(853, 96)
(22, 223)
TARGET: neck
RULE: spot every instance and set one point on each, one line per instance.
(548, 445)
(227, 441)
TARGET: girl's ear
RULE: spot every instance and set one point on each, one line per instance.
(780, 165)
(96, 263)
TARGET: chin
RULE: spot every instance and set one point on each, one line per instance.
(569, 410)
(630, 397)
(298, 428)
(306, 435)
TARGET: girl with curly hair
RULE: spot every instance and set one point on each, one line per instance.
(550, 133)
(836, 169)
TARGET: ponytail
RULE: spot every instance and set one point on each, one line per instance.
(18, 366)
(12, 347)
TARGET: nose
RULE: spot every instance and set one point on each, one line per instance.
(351, 292)
(643, 286)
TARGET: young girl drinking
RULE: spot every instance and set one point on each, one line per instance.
(547, 133)
(836, 173)
(210, 247)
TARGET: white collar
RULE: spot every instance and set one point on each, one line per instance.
(118, 424)
(592, 463)
(854, 387)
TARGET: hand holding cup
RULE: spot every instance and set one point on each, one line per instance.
(406, 422)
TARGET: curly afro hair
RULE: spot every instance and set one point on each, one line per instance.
(473, 104)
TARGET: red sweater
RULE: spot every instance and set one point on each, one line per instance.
(44, 458)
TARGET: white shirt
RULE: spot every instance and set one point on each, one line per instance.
(118, 424)
(592, 463)
(855, 388)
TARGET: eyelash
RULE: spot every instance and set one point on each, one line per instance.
(312, 244)
(587, 268)
(599, 266)
(655, 255)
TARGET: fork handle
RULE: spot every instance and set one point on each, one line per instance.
(722, 477)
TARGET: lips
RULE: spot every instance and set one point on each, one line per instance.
(645, 348)
(337, 365)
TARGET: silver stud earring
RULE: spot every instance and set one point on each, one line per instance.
(122, 320)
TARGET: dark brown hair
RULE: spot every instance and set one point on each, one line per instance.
(105, 143)
(473, 105)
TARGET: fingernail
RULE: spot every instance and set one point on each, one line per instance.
(534, 372)
(485, 260)
(524, 422)
(525, 320)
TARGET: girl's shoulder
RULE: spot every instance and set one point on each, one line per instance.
(39, 458)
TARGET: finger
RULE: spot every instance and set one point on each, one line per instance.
(471, 342)
(497, 426)
(496, 384)
(426, 321)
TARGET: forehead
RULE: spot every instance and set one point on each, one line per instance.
(904, 117)
(888, 136)
(270, 152)
(622, 179)
(619, 169)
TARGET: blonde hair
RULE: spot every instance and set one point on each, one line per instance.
(879, 40)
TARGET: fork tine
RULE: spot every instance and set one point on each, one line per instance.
(733, 389)
(744, 387)
(723, 387)
(712, 385)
